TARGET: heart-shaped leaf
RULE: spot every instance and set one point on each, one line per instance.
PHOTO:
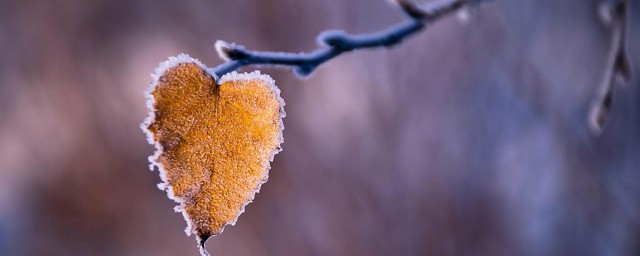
(214, 140)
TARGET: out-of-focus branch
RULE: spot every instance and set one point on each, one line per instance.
(618, 69)
(336, 43)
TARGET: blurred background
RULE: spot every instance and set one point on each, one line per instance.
(468, 139)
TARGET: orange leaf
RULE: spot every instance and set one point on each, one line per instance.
(214, 142)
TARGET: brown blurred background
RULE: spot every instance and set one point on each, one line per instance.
(468, 139)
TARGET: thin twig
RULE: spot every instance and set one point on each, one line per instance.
(336, 43)
(618, 65)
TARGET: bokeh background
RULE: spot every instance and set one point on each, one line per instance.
(468, 139)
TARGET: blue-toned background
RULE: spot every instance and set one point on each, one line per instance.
(467, 139)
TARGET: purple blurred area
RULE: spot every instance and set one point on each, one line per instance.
(468, 139)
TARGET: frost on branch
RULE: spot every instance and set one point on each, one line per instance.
(334, 43)
(214, 143)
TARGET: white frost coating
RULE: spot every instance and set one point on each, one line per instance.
(221, 48)
(233, 76)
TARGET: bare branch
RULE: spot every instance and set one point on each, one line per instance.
(434, 10)
(336, 43)
(618, 68)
